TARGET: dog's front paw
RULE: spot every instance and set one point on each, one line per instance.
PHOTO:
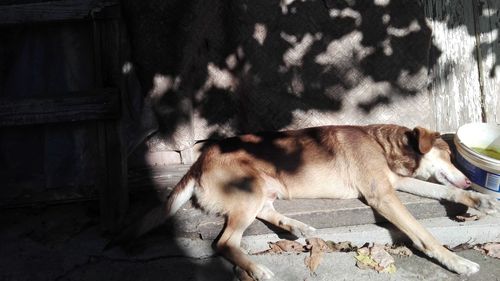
(484, 203)
(463, 266)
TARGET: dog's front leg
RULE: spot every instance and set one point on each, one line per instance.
(388, 205)
(482, 202)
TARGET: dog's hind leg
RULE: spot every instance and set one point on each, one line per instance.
(228, 244)
(243, 197)
(385, 201)
(297, 228)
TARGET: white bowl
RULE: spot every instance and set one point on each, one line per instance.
(483, 171)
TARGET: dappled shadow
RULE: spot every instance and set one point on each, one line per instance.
(481, 20)
(489, 27)
(265, 147)
(283, 150)
(243, 67)
(213, 69)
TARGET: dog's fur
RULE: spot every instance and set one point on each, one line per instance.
(240, 177)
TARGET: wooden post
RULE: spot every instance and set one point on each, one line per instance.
(487, 20)
(113, 159)
(454, 88)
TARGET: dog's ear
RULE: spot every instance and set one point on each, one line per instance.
(425, 139)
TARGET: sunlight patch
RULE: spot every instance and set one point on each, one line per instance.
(401, 32)
(127, 67)
(284, 5)
(382, 2)
(346, 13)
(220, 78)
(163, 83)
(260, 33)
(293, 56)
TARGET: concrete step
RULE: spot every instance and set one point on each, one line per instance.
(319, 213)
(446, 230)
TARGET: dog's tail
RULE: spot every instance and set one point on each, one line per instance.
(181, 193)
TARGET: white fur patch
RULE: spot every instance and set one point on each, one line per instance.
(182, 197)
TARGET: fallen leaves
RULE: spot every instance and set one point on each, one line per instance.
(345, 246)
(316, 247)
(460, 247)
(283, 246)
(375, 257)
(370, 256)
(288, 246)
(489, 249)
(402, 251)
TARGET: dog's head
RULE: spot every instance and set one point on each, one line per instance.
(435, 162)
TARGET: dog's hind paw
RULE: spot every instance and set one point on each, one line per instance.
(303, 230)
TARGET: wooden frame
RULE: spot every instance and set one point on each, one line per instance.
(101, 106)
(50, 11)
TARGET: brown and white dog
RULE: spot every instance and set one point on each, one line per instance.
(240, 177)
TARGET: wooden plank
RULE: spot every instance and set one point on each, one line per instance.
(454, 88)
(488, 23)
(78, 106)
(113, 187)
(63, 10)
(49, 164)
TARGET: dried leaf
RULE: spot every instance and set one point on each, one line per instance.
(345, 246)
(461, 247)
(316, 246)
(399, 250)
(318, 243)
(364, 261)
(364, 251)
(332, 246)
(390, 269)
(490, 249)
(290, 246)
(273, 249)
(381, 256)
(283, 246)
(375, 258)
(466, 217)
(493, 250)
(480, 248)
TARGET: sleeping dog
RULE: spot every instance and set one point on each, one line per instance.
(240, 178)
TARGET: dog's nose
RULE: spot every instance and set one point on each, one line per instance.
(468, 182)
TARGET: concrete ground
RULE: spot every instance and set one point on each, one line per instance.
(64, 243)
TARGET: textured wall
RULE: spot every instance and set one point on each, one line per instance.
(242, 66)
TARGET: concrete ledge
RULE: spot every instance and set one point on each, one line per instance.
(447, 231)
(319, 213)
